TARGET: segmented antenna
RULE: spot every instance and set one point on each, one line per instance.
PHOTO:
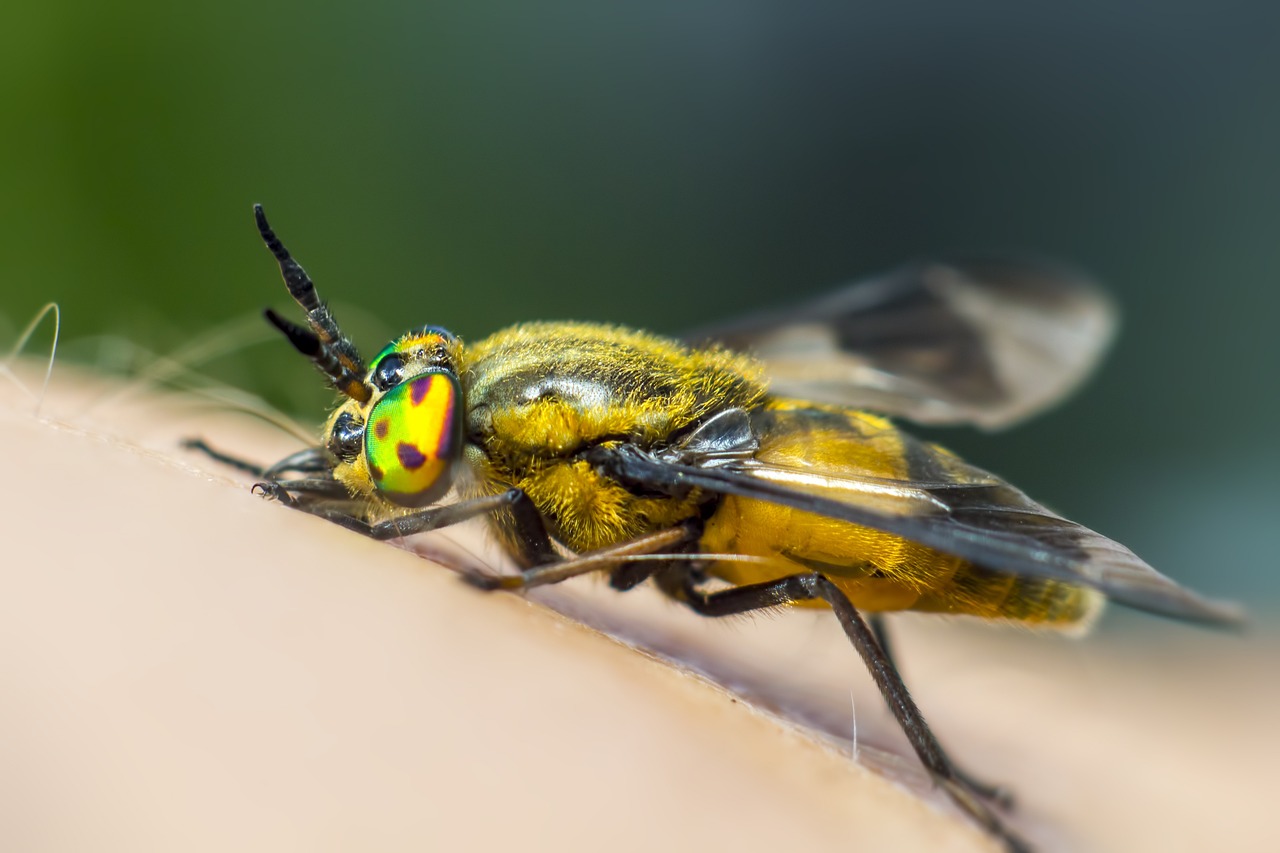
(331, 351)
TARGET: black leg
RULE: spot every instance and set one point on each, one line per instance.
(806, 587)
(312, 460)
(531, 534)
(687, 565)
(998, 794)
(631, 575)
(288, 492)
(881, 631)
(239, 464)
(431, 518)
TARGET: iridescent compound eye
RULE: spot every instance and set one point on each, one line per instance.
(413, 437)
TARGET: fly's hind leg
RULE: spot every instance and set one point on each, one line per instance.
(998, 794)
(809, 586)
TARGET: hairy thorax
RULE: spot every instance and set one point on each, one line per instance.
(541, 393)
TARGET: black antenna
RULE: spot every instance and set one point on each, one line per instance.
(333, 352)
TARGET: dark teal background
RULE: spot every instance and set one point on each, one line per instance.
(663, 164)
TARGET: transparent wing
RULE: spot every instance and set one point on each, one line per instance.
(941, 502)
(979, 342)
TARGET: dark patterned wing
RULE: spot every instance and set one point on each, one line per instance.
(979, 342)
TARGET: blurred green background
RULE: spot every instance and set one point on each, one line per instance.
(664, 164)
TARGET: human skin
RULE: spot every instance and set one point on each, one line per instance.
(186, 666)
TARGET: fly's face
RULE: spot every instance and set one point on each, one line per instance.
(401, 444)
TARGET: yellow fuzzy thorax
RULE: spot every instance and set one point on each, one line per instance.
(618, 384)
(658, 386)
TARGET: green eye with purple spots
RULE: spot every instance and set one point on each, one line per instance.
(413, 436)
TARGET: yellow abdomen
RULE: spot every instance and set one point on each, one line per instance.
(834, 452)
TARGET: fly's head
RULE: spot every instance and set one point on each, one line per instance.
(403, 442)
(398, 434)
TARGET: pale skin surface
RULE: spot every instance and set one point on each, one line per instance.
(188, 667)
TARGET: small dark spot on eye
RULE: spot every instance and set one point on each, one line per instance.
(410, 456)
(418, 390)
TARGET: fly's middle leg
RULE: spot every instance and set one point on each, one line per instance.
(658, 548)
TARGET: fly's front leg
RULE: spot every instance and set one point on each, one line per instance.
(532, 533)
(322, 497)
(326, 498)
(317, 495)
(312, 460)
(297, 493)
